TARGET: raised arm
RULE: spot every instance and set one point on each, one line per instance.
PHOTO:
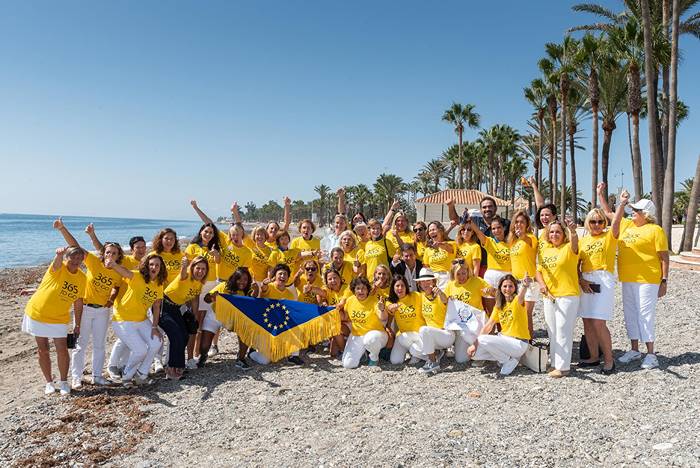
(479, 235)
(526, 282)
(236, 213)
(386, 225)
(573, 235)
(111, 264)
(58, 225)
(205, 219)
(619, 213)
(452, 212)
(603, 201)
(58, 259)
(539, 199)
(90, 231)
(287, 213)
(184, 263)
(341, 200)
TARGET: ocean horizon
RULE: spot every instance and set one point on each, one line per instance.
(29, 240)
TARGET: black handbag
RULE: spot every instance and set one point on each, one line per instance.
(190, 322)
(583, 352)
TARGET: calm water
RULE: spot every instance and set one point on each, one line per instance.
(27, 240)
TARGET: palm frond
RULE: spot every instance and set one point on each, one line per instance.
(595, 9)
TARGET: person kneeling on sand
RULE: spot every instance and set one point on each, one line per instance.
(508, 346)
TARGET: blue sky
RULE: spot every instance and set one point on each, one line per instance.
(132, 108)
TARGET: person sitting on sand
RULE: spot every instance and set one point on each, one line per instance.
(511, 343)
(434, 338)
(47, 314)
(404, 309)
(335, 292)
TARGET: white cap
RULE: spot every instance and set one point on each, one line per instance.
(644, 205)
(426, 274)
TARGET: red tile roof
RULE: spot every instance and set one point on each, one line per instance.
(461, 197)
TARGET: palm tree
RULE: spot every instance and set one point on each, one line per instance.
(450, 158)
(577, 111)
(323, 191)
(613, 91)
(513, 170)
(489, 138)
(362, 197)
(436, 170)
(692, 213)
(536, 95)
(422, 182)
(459, 115)
(547, 69)
(387, 187)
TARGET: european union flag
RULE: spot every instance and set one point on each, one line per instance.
(276, 328)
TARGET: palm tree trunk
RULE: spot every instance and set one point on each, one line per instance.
(665, 93)
(594, 175)
(636, 159)
(538, 166)
(692, 214)
(608, 128)
(555, 182)
(461, 173)
(650, 70)
(669, 176)
(574, 196)
(564, 111)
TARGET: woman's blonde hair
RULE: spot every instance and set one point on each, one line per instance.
(460, 239)
(256, 230)
(511, 230)
(350, 234)
(195, 261)
(564, 229)
(396, 216)
(456, 265)
(593, 213)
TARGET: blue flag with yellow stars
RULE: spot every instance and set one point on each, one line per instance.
(276, 328)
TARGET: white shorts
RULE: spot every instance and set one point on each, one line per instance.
(492, 277)
(209, 323)
(44, 330)
(598, 305)
(533, 292)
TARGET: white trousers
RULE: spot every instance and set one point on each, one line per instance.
(560, 318)
(435, 338)
(94, 323)
(372, 341)
(639, 306)
(408, 342)
(142, 346)
(261, 359)
(119, 354)
(461, 346)
(499, 348)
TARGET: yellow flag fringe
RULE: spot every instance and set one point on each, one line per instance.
(280, 346)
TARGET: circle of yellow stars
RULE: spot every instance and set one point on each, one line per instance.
(285, 319)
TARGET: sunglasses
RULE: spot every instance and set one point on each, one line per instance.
(310, 269)
(419, 228)
(458, 261)
(597, 221)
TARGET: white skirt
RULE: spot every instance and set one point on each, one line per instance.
(492, 277)
(210, 323)
(533, 292)
(598, 305)
(442, 277)
(44, 330)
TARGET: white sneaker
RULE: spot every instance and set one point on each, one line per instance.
(64, 388)
(114, 373)
(99, 380)
(413, 361)
(650, 361)
(191, 363)
(49, 389)
(213, 351)
(509, 366)
(142, 379)
(430, 367)
(77, 384)
(630, 356)
(158, 366)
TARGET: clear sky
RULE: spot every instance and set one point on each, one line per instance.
(132, 108)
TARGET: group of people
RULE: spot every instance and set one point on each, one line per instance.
(391, 281)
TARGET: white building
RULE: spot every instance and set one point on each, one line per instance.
(433, 208)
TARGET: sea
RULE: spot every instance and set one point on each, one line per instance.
(28, 240)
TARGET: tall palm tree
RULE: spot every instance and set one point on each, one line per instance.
(578, 111)
(323, 191)
(613, 92)
(436, 170)
(536, 95)
(450, 158)
(422, 181)
(387, 188)
(459, 115)
(547, 69)
(362, 196)
(513, 170)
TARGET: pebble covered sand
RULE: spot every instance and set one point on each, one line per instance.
(321, 414)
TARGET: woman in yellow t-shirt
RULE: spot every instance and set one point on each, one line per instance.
(642, 265)
(433, 336)
(240, 283)
(468, 248)
(471, 289)
(353, 253)
(307, 241)
(511, 343)
(404, 309)
(367, 319)
(180, 297)
(557, 275)
(285, 253)
(439, 253)
(308, 282)
(523, 259)
(362, 232)
(166, 244)
(420, 229)
(144, 290)
(347, 269)
(334, 293)
(396, 227)
(47, 314)
(546, 213)
(100, 291)
(497, 250)
(381, 282)
(260, 265)
(378, 250)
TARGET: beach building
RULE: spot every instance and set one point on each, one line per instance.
(432, 207)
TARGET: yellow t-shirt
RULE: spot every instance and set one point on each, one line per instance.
(513, 319)
(420, 249)
(194, 250)
(356, 253)
(363, 315)
(289, 257)
(57, 291)
(497, 255)
(334, 297)
(637, 261)
(376, 254)
(130, 263)
(173, 262)
(559, 268)
(468, 292)
(408, 316)
(259, 263)
(434, 311)
(232, 258)
(523, 257)
(381, 293)
(439, 260)
(305, 245)
(542, 242)
(182, 291)
(346, 272)
(469, 252)
(309, 298)
(138, 297)
(598, 252)
(100, 280)
(274, 293)
(406, 237)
